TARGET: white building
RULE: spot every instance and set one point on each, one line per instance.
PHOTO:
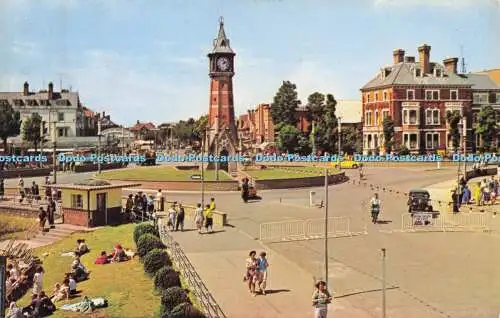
(62, 109)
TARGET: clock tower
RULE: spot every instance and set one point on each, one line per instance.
(222, 134)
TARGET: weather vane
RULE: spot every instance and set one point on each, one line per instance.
(221, 20)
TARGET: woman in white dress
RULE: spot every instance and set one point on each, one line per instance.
(199, 217)
(38, 281)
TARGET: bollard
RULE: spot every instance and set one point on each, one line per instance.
(311, 198)
(383, 285)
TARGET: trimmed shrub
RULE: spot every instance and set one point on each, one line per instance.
(148, 242)
(186, 310)
(156, 259)
(144, 228)
(166, 277)
(173, 296)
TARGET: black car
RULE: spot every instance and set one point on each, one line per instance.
(419, 200)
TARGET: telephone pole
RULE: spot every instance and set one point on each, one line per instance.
(326, 226)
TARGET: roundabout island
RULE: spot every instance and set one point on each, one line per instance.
(189, 177)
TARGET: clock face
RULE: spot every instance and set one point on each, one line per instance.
(223, 64)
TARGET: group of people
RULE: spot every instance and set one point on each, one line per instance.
(256, 273)
(16, 281)
(47, 214)
(139, 204)
(485, 192)
(118, 255)
(203, 217)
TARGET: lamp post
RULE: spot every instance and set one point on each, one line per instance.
(203, 144)
(216, 154)
(326, 226)
(99, 146)
(54, 150)
(42, 131)
(313, 133)
(464, 134)
(339, 144)
(123, 141)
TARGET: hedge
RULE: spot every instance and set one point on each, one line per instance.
(156, 259)
(166, 277)
(148, 242)
(186, 310)
(144, 228)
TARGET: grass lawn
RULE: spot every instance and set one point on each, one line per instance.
(13, 227)
(129, 291)
(161, 174)
(288, 172)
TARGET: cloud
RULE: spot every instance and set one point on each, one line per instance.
(24, 48)
(436, 3)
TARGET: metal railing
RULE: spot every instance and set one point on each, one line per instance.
(338, 226)
(446, 222)
(189, 274)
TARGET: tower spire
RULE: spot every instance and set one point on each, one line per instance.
(221, 43)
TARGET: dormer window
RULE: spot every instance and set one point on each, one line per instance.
(4, 102)
(44, 102)
(438, 72)
(418, 73)
(223, 43)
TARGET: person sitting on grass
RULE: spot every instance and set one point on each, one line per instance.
(61, 292)
(81, 247)
(71, 283)
(119, 254)
(78, 273)
(46, 306)
(103, 259)
(77, 262)
(14, 311)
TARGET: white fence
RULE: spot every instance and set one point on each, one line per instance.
(305, 229)
(446, 222)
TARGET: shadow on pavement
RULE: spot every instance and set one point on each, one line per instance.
(384, 222)
(365, 292)
(214, 232)
(277, 291)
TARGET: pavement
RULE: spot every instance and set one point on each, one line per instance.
(425, 271)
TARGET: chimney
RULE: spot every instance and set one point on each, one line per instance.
(26, 90)
(51, 90)
(103, 114)
(410, 59)
(138, 123)
(450, 64)
(398, 55)
(424, 53)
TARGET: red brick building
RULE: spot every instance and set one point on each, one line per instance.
(416, 95)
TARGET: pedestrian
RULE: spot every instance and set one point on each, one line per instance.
(251, 270)
(2, 189)
(466, 196)
(172, 214)
(209, 221)
(212, 204)
(244, 190)
(198, 217)
(159, 201)
(42, 218)
(262, 272)
(51, 209)
(180, 218)
(47, 188)
(454, 199)
(38, 281)
(375, 208)
(360, 172)
(321, 298)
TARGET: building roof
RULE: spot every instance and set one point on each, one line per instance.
(87, 112)
(349, 110)
(243, 121)
(139, 126)
(404, 74)
(221, 43)
(481, 81)
(90, 185)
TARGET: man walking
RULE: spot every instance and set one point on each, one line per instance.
(180, 219)
(375, 208)
(172, 215)
(51, 209)
(209, 221)
(244, 190)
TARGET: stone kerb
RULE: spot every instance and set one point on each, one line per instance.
(304, 182)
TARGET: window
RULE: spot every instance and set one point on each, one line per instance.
(367, 97)
(410, 140)
(480, 98)
(385, 114)
(368, 118)
(376, 118)
(385, 96)
(438, 72)
(410, 94)
(497, 98)
(76, 201)
(432, 140)
(376, 96)
(454, 94)
(44, 102)
(63, 102)
(432, 94)
(60, 116)
(432, 117)
(410, 117)
(31, 102)
(417, 72)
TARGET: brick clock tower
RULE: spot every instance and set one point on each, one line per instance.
(222, 137)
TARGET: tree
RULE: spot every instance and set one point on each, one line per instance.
(285, 103)
(183, 131)
(31, 129)
(199, 127)
(453, 118)
(388, 125)
(322, 112)
(290, 139)
(10, 124)
(487, 126)
(352, 140)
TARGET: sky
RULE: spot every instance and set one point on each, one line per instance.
(146, 60)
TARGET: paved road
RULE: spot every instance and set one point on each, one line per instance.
(434, 274)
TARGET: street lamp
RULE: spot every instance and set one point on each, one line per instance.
(99, 145)
(216, 154)
(326, 226)
(339, 144)
(203, 144)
